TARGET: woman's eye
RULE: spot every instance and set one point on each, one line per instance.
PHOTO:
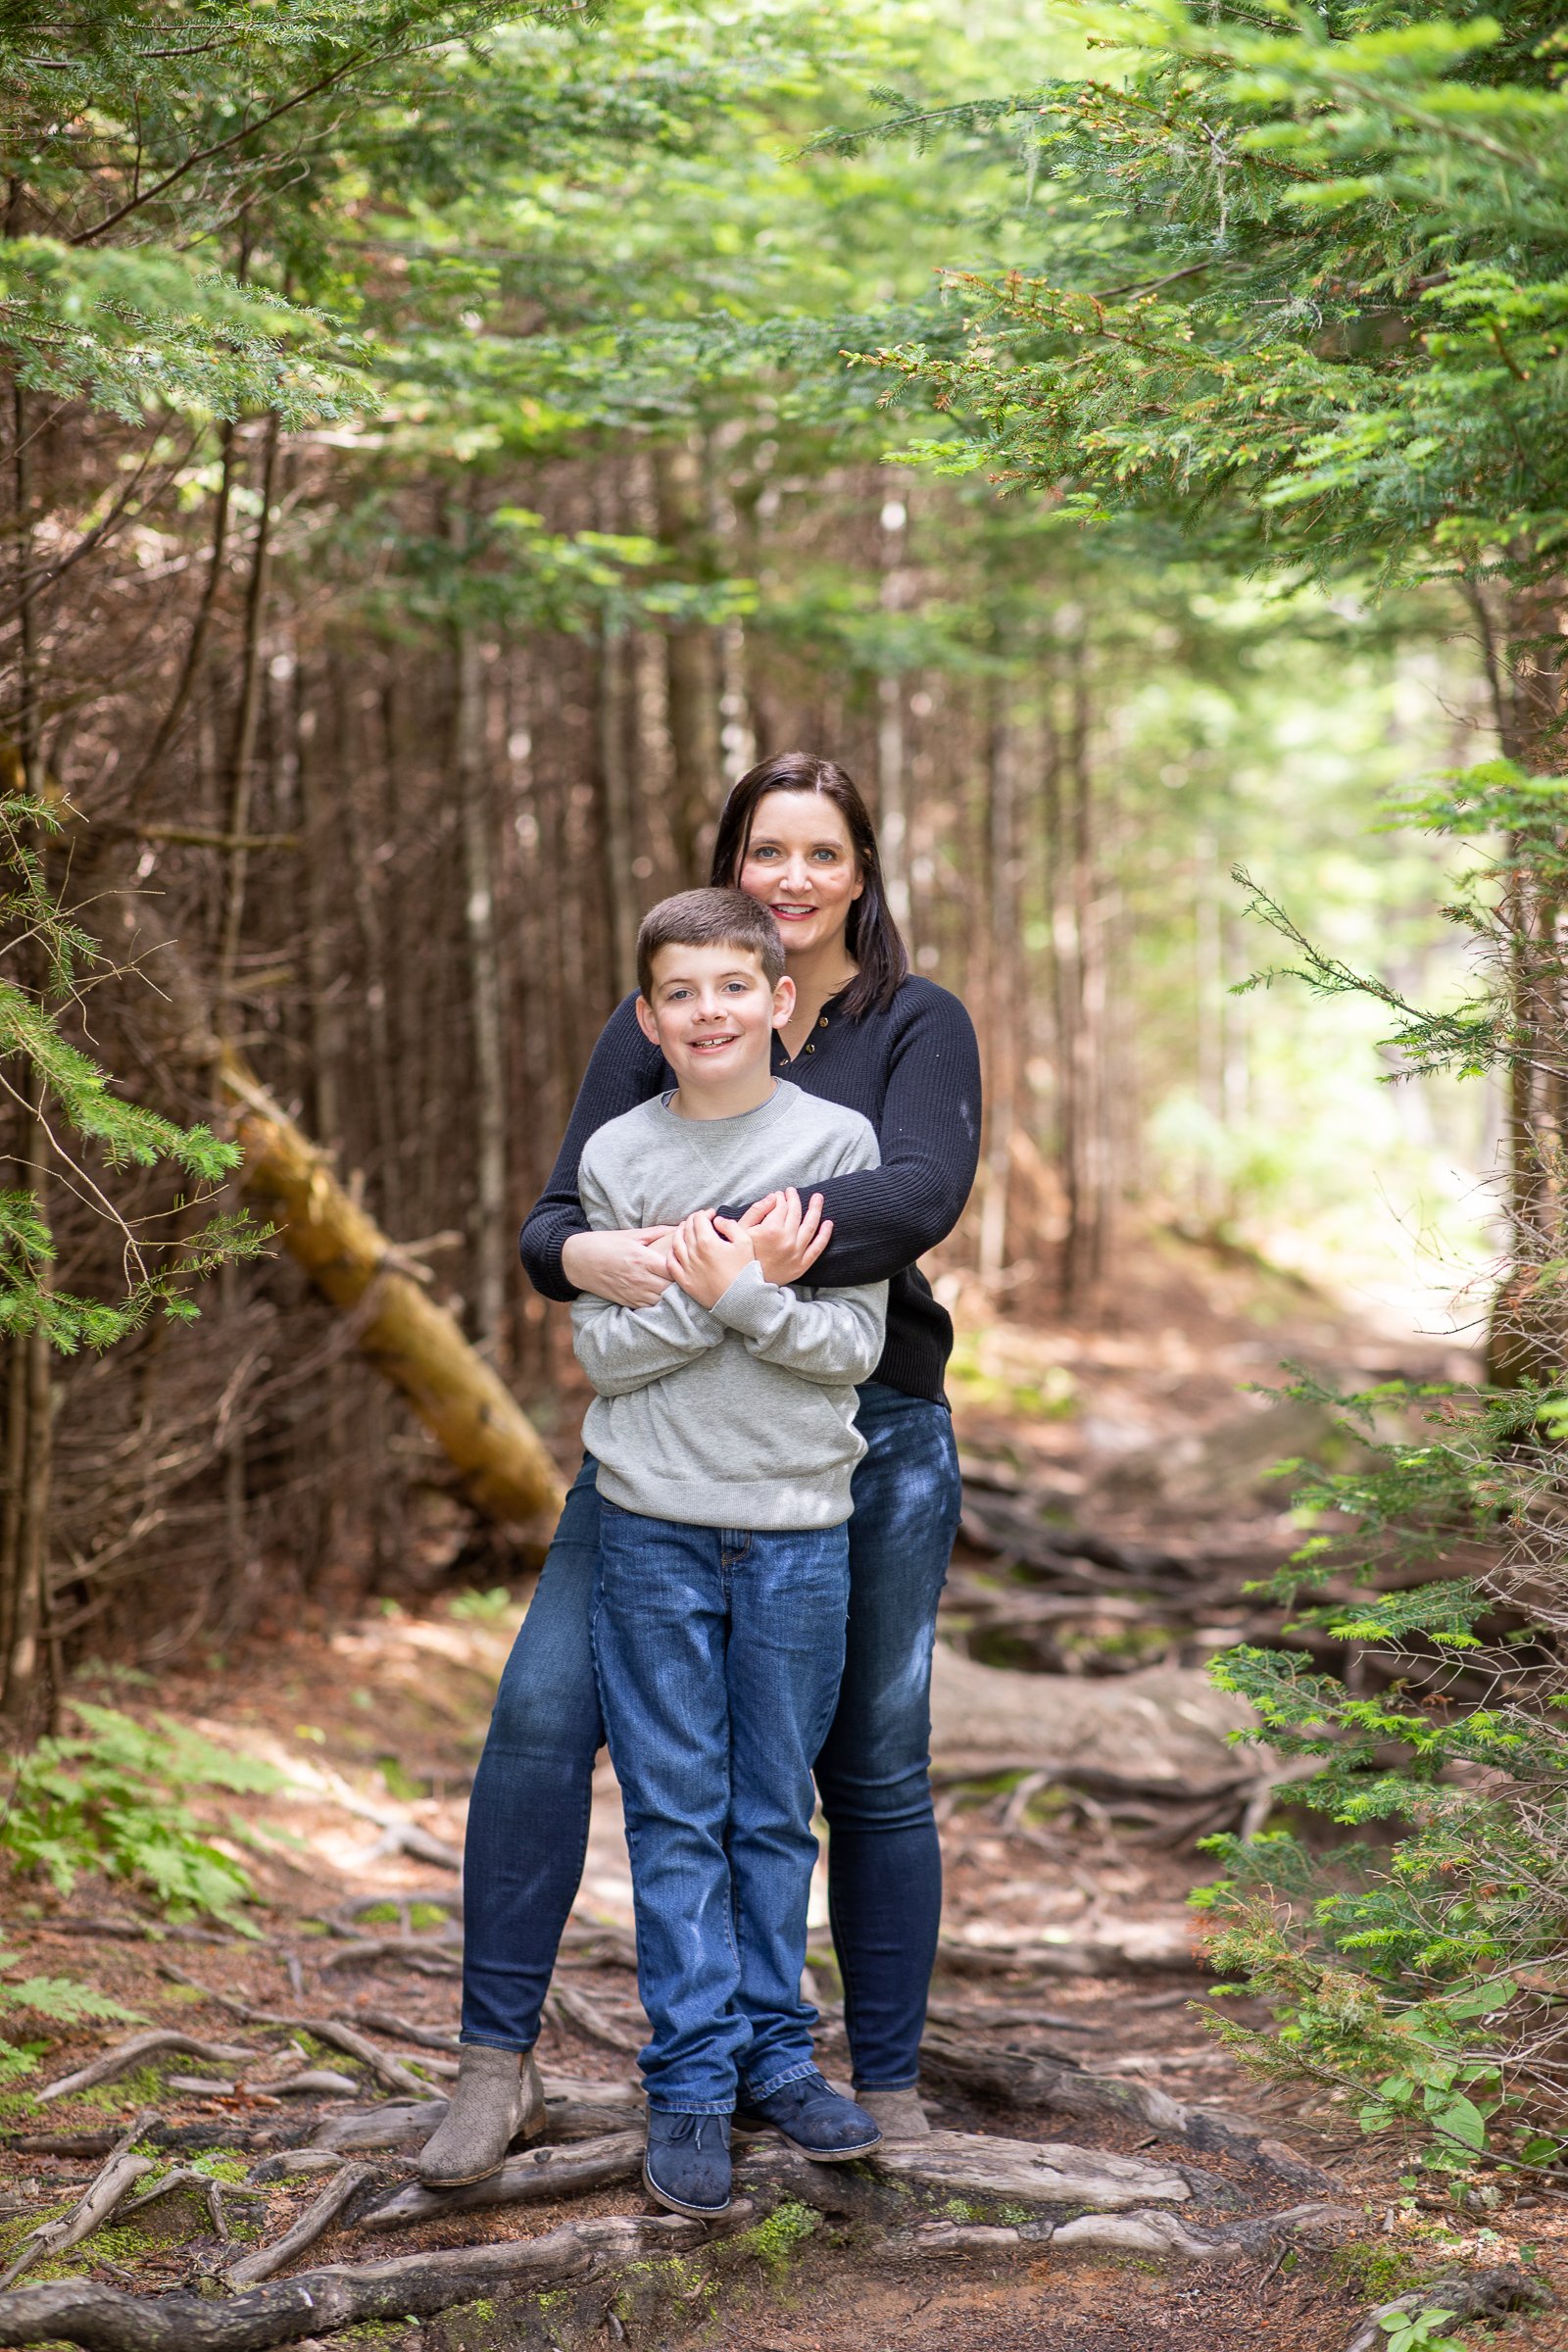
(828, 856)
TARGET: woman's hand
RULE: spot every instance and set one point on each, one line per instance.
(629, 1269)
(786, 1240)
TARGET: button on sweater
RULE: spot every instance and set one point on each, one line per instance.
(914, 1070)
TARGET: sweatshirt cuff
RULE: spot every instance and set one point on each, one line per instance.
(749, 1304)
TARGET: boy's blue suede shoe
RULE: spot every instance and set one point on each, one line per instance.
(809, 2116)
(686, 2166)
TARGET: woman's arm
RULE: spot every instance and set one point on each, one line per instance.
(886, 1218)
(624, 1070)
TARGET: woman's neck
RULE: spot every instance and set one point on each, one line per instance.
(818, 973)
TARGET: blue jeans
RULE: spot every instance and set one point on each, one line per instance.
(528, 1816)
(718, 1652)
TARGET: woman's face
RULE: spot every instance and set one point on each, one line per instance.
(800, 862)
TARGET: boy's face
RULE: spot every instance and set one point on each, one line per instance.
(712, 1013)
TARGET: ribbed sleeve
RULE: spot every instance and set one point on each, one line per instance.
(914, 1071)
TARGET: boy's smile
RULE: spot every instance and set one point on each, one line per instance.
(713, 1015)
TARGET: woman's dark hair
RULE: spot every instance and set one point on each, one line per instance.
(872, 934)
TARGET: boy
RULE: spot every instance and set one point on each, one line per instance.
(723, 1426)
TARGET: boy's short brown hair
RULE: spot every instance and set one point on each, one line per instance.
(710, 918)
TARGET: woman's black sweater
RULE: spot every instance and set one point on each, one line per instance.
(914, 1071)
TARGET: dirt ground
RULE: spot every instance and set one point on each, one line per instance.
(376, 1726)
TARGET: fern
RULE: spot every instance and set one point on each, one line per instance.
(109, 1802)
(62, 2000)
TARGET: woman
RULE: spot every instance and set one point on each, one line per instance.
(795, 834)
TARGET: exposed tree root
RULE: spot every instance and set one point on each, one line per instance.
(575, 2110)
(401, 2028)
(200, 2184)
(1482, 2295)
(126, 2056)
(586, 2015)
(1061, 1960)
(105, 2319)
(1027, 2172)
(1026, 2081)
(1137, 2232)
(425, 1959)
(314, 2222)
(108, 2188)
(538, 2177)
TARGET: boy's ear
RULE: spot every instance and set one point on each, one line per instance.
(646, 1021)
(783, 1001)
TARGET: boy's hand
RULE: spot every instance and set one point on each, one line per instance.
(787, 1242)
(706, 1261)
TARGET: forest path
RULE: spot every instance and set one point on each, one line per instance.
(1068, 1993)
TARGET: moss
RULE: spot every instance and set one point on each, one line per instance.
(775, 2242)
(955, 2210)
(143, 2088)
(1379, 2272)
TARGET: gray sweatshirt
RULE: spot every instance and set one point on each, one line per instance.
(742, 1416)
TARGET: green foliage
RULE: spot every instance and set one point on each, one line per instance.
(110, 1800)
(1414, 2331)
(1408, 1974)
(69, 1083)
(62, 2000)
(1336, 241)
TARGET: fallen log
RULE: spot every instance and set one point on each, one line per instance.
(1100, 1958)
(410, 1338)
(316, 2303)
(1163, 1731)
(537, 2176)
(419, 1347)
(314, 2222)
(126, 2056)
(1020, 2079)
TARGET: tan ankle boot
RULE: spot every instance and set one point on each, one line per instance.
(899, 2113)
(497, 2099)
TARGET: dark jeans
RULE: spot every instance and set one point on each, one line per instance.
(720, 1652)
(528, 1817)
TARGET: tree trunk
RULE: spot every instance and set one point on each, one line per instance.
(1002, 1009)
(891, 801)
(24, 1610)
(1520, 649)
(489, 1239)
(691, 658)
(616, 814)
(1080, 989)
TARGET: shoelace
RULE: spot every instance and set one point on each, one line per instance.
(693, 2126)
